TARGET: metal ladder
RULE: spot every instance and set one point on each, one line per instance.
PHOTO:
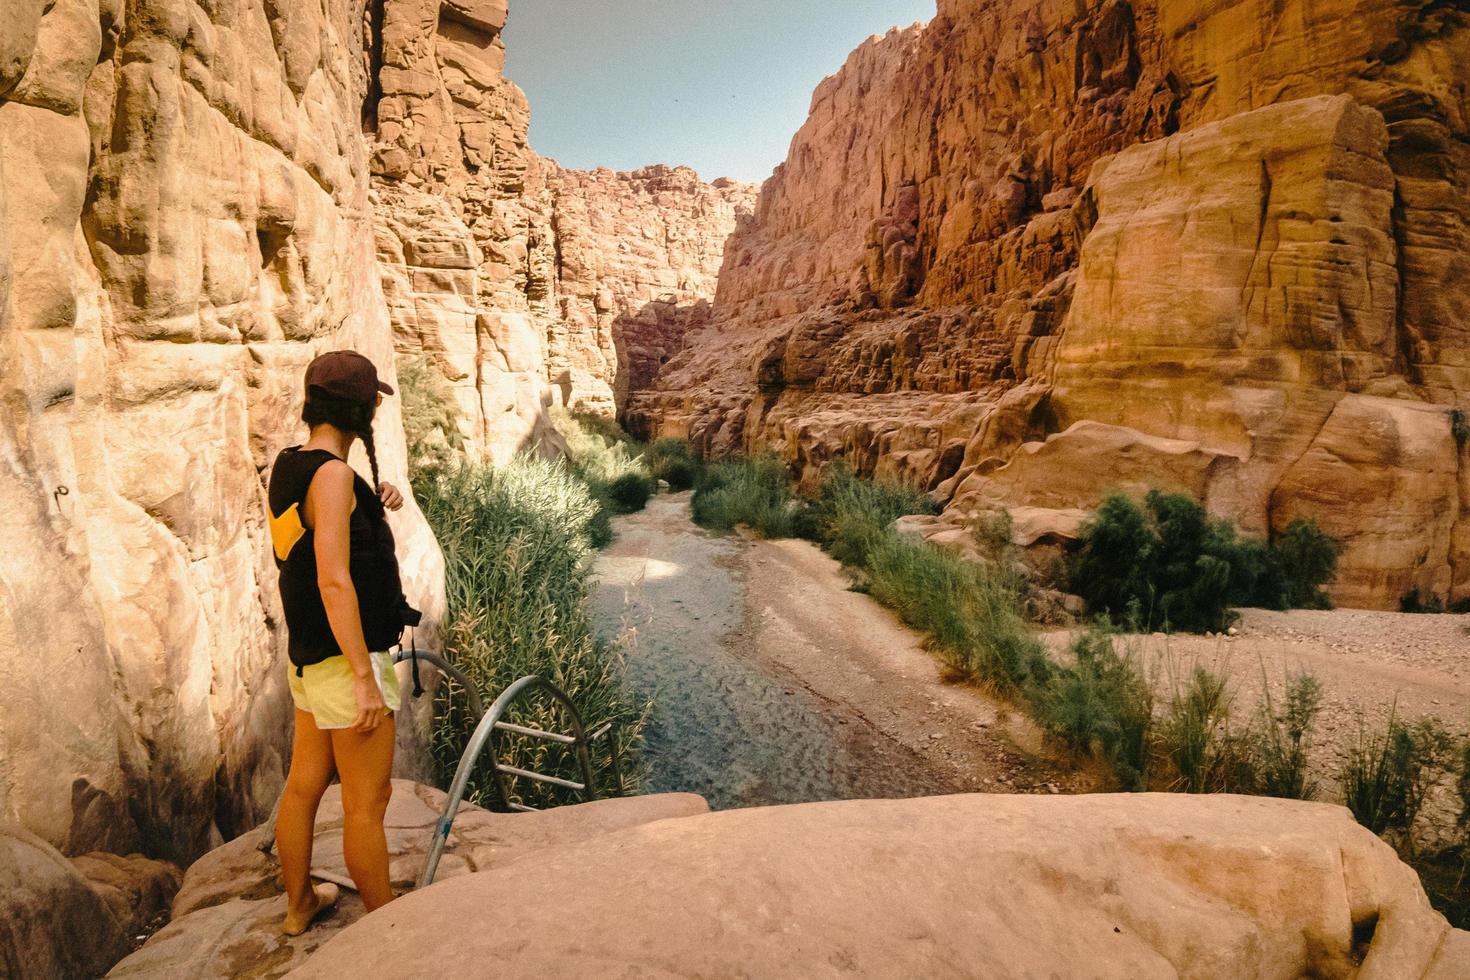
(489, 722)
(492, 721)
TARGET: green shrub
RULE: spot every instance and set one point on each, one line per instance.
(754, 491)
(1459, 427)
(1196, 735)
(630, 492)
(1103, 706)
(430, 429)
(1110, 569)
(673, 461)
(1167, 564)
(599, 452)
(679, 474)
(849, 514)
(1387, 773)
(1281, 740)
(516, 546)
(1308, 560)
(1415, 601)
(993, 533)
(971, 613)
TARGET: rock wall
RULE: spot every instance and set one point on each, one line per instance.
(638, 257)
(184, 223)
(1028, 253)
(528, 285)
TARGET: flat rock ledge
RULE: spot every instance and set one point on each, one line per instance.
(986, 885)
(226, 916)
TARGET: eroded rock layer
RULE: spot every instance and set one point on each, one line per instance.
(1032, 252)
(184, 223)
(527, 284)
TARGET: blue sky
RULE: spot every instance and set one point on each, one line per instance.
(719, 85)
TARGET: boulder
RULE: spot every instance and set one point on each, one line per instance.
(227, 914)
(63, 919)
(1125, 886)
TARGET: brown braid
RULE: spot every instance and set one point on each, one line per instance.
(372, 453)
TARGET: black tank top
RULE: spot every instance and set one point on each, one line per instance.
(372, 562)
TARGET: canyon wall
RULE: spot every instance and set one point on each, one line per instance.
(184, 223)
(528, 285)
(1029, 253)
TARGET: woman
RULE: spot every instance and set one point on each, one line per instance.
(344, 609)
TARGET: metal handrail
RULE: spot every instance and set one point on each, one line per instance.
(449, 670)
(483, 735)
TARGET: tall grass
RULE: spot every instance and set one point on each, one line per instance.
(1206, 755)
(1103, 706)
(430, 428)
(1282, 739)
(849, 515)
(970, 611)
(1387, 773)
(755, 491)
(516, 544)
(609, 463)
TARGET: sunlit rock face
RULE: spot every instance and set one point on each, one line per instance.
(527, 284)
(184, 223)
(1029, 253)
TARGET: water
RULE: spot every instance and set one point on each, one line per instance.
(725, 725)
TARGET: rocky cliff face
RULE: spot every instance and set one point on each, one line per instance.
(184, 223)
(527, 284)
(1222, 248)
(194, 201)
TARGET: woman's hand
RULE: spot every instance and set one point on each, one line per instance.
(390, 496)
(370, 706)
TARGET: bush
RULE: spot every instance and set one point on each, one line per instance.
(971, 613)
(754, 491)
(1414, 601)
(516, 546)
(1102, 706)
(1281, 740)
(1459, 427)
(430, 429)
(674, 462)
(1196, 735)
(1308, 560)
(1166, 564)
(599, 452)
(1386, 774)
(630, 492)
(849, 514)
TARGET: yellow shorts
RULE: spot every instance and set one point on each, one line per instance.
(325, 689)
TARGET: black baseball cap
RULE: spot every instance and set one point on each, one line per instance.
(346, 374)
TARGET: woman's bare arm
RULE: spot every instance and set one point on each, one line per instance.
(329, 508)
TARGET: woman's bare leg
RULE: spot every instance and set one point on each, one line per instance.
(312, 765)
(365, 763)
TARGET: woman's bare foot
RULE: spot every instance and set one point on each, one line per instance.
(324, 896)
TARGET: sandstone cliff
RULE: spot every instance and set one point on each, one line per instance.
(527, 284)
(1031, 252)
(184, 223)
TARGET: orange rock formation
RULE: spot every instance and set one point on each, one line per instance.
(1031, 252)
